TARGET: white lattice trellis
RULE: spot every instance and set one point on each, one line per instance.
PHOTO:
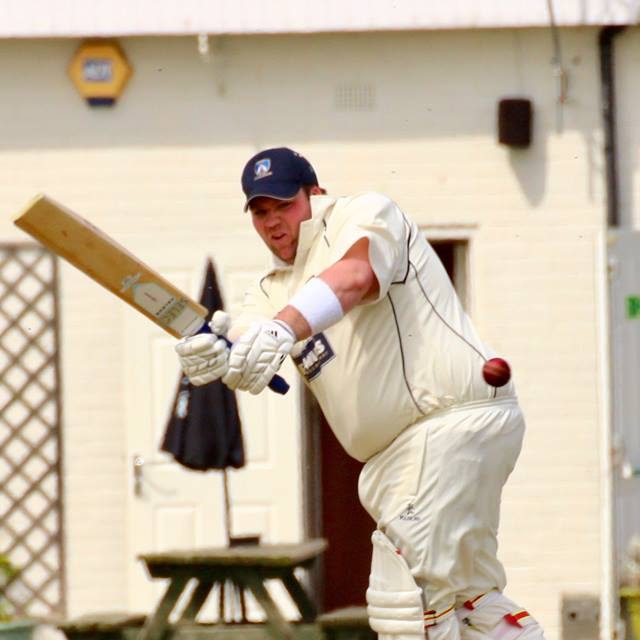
(30, 451)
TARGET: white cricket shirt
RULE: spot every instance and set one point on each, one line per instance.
(392, 361)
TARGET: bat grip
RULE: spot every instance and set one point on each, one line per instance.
(277, 383)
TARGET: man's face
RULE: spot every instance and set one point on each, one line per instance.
(278, 222)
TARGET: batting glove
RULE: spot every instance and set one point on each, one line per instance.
(205, 357)
(220, 323)
(257, 355)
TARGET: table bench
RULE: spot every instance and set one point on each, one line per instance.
(102, 626)
(246, 568)
(350, 623)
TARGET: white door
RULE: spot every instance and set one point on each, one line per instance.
(170, 507)
(624, 260)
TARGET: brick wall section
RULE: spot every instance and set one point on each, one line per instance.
(160, 172)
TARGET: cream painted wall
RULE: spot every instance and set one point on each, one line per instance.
(160, 172)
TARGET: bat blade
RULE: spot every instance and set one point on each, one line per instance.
(108, 263)
(112, 266)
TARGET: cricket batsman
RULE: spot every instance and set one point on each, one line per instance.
(357, 296)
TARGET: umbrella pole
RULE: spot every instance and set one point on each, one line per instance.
(227, 506)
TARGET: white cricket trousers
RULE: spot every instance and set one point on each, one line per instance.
(435, 492)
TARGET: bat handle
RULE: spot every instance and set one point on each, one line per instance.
(277, 383)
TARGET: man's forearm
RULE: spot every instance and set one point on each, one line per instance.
(296, 321)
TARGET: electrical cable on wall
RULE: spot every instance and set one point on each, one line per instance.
(559, 71)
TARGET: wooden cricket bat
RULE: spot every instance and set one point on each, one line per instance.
(108, 263)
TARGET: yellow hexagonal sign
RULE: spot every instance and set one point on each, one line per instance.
(100, 71)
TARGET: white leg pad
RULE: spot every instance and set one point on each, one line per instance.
(495, 617)
(394, 600)
(447, 629)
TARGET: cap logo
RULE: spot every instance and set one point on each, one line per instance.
(262, 168)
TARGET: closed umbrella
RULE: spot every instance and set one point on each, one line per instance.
(204, 430)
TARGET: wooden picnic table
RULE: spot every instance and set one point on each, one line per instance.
(246, 568)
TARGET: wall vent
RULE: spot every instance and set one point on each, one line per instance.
(355, 97)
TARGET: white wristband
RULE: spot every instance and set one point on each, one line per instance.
(319, 305)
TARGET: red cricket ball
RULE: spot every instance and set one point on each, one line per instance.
(496, 372)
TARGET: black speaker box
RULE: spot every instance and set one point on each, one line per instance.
(515, 116)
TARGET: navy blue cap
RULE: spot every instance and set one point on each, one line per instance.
(276, 173)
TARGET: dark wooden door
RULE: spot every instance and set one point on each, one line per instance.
(346, 525)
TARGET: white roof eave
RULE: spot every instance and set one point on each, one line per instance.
(119, 18)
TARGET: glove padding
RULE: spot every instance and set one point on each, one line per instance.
(257, 355)
(205, 357)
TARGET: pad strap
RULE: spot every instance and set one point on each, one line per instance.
(495, 617)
